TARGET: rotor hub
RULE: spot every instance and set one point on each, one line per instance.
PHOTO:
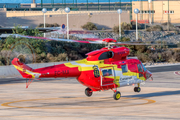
(109, 40)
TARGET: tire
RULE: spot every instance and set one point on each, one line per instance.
(88, 92)
(117, 95)
(137, 89)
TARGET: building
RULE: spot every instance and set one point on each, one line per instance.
(157, 10)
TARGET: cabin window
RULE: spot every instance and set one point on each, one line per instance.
(140, 75)
(106, 55)
(124, 68)
(107, 72)
(143, 67)
(139, 68)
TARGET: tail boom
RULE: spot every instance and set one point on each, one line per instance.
(47, 72)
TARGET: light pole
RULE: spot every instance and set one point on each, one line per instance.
(168, 24)
(67, 10)
(136, 11)
(44, 10)
(119, 11)
(149, 1)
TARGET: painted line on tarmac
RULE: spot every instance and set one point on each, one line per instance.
(177, 73)
(70, 105)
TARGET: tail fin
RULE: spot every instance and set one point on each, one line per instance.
(23, 69)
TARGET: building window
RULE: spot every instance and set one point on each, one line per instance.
(170, 12)
(147, 11)
(152, 11)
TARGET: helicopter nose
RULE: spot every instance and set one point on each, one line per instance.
(149, 76)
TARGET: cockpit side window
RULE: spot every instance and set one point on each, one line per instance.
(140, 69)
(124, 68)
(106, 55)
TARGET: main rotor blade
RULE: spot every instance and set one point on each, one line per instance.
(133, 43)
(64, 40)
(91, 40)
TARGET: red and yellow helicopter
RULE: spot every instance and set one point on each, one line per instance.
(104, 69)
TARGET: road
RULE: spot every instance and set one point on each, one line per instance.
(175, 67)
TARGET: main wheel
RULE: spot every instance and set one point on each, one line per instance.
(117, 95)
(88, 92)
(137, 89)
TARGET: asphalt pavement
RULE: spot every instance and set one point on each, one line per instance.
(65, 99)
(175, 67)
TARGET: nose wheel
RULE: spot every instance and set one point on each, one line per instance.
(88, 92)
(117, 95)
(137, 89)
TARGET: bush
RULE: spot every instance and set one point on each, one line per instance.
(133, 24)
(154, 28)
(48, 25)
(50, 57)
(62, 57)
(166, 23)
(167, 55)
(89, 26)
(126, 26)
(1, 60)
(116, 30)
(143, 57)
(43, 55)
(172, 60)
(31, 32)
(140, 48)
(177, 55)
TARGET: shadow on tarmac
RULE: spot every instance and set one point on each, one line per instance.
(157, 94)
(23, 80)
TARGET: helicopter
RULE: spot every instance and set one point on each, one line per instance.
(103, 69)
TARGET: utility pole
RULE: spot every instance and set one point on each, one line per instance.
(149, 1)
(168, 18)
(136, 11)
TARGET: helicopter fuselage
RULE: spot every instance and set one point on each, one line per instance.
(102, 70)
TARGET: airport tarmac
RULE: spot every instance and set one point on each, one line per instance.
(64, 98)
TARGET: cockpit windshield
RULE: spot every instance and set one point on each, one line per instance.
(143, 67)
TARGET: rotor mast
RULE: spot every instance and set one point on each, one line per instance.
(109, 41)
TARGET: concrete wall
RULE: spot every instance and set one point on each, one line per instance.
(40, 13)
(101, 19)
